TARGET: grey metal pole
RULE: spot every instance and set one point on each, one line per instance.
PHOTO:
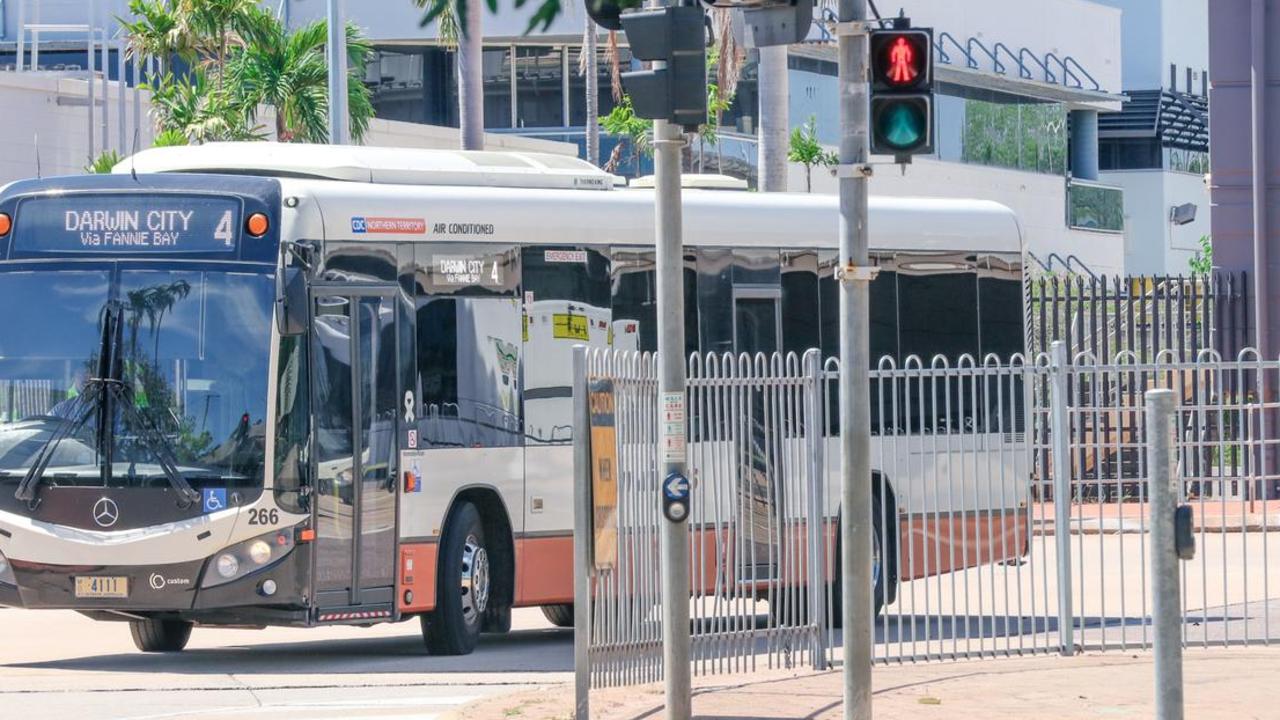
(22, 33)
(338, 131)
(90, 49)
(582, 537)
(1060, 434)
(668, 139)
(122, 108)
(855, 362)
(106, 89)
(1258, 137)
(1165, 582)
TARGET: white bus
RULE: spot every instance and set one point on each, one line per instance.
(271, 384)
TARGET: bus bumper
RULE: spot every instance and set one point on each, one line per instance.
(172, 588)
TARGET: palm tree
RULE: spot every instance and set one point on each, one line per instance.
(471, 77)
(458, 29)
(588, 67)
(158, 32)
(287, 71)
(772, 84)
(191, 106)
(217, 24)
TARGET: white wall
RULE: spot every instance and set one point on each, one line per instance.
(1158, 33)
(1153, 245)
(1087, 31)
(47, 106)
(1038, 200)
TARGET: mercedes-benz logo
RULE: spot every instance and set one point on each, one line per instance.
(106, 512)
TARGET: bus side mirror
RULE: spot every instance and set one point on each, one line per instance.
(291, 301)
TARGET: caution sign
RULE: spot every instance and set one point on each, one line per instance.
(567, 326)
(604, 468)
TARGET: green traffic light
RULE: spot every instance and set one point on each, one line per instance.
(902, 125)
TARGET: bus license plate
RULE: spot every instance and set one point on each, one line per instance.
(102, 587)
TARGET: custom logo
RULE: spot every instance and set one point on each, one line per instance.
(106, 512)
(160, 582)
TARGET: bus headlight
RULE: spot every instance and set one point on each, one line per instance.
(248, 557)
(228, 566)
(260, 552)
(6, 571)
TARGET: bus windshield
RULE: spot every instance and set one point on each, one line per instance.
(193, 352)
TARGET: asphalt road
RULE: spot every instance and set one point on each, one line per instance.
(56, 665)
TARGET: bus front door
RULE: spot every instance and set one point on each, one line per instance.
(354, 391)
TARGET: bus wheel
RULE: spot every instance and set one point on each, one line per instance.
(463, 594)
(156, 636)
(559, 615)
(497, 620)
(879, 576)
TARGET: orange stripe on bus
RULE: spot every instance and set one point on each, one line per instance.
(417, 574)
(544, 569)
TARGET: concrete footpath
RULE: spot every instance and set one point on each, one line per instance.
(1235, 683)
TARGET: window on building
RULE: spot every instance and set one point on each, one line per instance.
(539, 87)
(1020, 136)
(1129, 153)
(497, 87)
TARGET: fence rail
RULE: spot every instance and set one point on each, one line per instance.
(1010, 506)
(1145, 315)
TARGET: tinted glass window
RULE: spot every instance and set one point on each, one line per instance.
(567, 303)
(468, 371)
(938, 315)
(1000, 312)
(715, 300)
(635, 300)
(800, 324)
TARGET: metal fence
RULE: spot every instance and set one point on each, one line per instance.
(986, 544)
(752, 467)
(1140, 314)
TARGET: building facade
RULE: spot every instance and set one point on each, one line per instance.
(1157, 147)
(1020, 89)
(1244, 158)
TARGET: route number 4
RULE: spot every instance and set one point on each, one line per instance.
(225, 231)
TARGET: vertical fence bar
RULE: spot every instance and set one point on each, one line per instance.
(1059, 429)
(814, 441)
(582, 528)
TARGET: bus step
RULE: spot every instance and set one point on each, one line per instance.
(359, 614)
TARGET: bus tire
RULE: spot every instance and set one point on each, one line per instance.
(497, 620)
(884, 550)
(559, 615)
(462, 594)
(160, 636)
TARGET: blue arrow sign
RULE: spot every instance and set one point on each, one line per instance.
(676, 487)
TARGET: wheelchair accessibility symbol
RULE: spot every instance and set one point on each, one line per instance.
(215, 499)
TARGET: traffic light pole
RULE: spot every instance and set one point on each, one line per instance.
(668, 139)
(855, 381)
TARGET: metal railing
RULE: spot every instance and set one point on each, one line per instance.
(1010, 501)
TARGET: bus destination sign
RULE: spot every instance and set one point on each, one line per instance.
(127, 224)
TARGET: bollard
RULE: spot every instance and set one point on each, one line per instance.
(1161, 406)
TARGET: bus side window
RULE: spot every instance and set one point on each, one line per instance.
(467, 318)
(634, 298)
(566, 303)
(800, 326)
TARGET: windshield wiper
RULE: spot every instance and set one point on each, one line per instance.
(91, 398)
(100, 394)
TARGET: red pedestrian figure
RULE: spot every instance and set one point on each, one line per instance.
(902, 68)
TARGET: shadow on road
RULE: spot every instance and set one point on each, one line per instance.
(520, 651)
